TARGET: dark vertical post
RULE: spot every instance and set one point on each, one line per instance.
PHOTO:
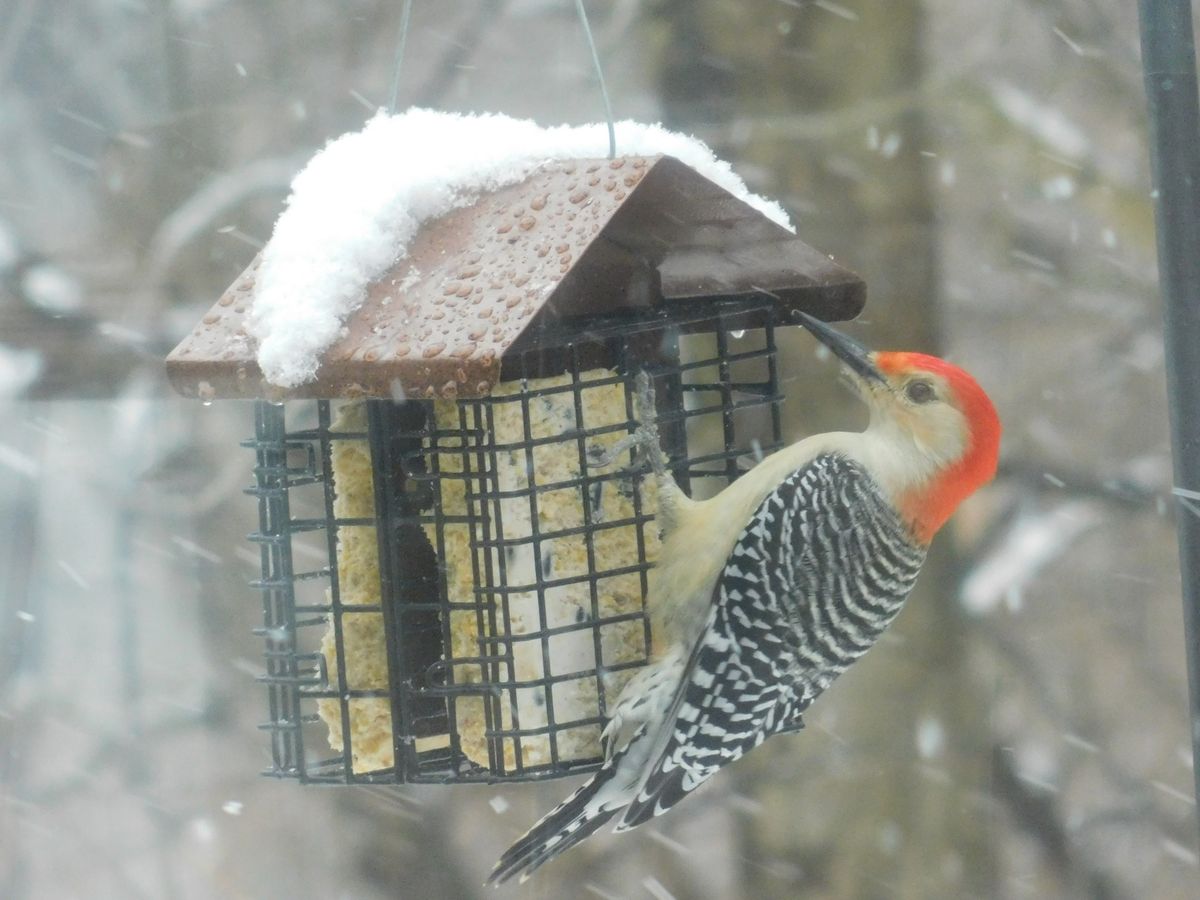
(388, 475)
(1169, 66)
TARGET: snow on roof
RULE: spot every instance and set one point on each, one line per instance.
(360, 200)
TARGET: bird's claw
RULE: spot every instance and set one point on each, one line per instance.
(599, 458)
(645, 437)
(644, 398)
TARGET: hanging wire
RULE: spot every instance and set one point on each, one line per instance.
(400, 42)
(608, 113)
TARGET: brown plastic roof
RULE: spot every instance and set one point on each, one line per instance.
(575, 239)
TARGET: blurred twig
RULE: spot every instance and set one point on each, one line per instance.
(1037, 814)
(459, 49)
(16, 28)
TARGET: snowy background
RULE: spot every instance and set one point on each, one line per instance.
(1021, 733)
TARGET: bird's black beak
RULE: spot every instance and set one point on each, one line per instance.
(848, 350)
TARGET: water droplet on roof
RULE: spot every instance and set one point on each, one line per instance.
(433, 350)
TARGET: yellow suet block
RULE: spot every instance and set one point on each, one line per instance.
(526, 476)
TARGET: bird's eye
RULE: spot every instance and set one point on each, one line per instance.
(920, 392)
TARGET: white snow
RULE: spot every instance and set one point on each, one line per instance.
(9, 250)
(19, 369)
(52, 290)
(1034, 541)
(1044, 122)
(358, 203)
(931, 737)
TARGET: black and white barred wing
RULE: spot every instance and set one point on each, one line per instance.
(821, 569)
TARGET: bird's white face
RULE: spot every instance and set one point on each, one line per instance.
(934, 436)
(917, 412)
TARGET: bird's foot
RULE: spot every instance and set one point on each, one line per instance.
(645, 438)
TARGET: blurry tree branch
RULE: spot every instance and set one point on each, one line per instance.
(200, 213)
(459, 49)
(1053, 479)
(1021, 666)
(1036, 813)
(1099, 32)
(15, 28)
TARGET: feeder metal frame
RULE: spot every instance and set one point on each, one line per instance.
(407, 448)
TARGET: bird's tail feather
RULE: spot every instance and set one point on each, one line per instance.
(577, 817)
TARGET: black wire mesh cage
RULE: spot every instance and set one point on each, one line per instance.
(453, 590)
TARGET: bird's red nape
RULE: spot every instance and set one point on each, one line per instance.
(928, 507)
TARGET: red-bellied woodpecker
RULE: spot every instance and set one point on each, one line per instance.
(767, 592)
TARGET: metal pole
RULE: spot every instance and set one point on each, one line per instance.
(1169, 66)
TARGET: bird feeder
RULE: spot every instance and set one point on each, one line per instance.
(453, 584)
